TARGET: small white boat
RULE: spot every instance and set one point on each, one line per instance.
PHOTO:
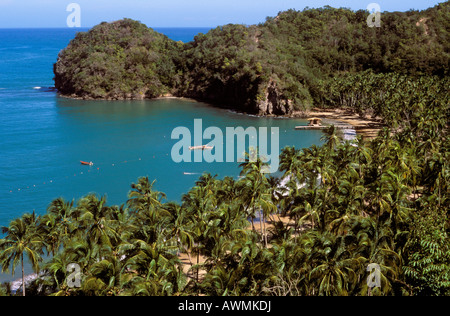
(204, 147)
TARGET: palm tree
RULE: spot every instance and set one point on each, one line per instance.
(333, 268)
(219, 281)
(57, 224)
(142, 196)
(199, 204)
(314, 160)
(151, 270)
(149, 217)
(289, 267)
(375, 243)
(349, 194)
(22, 239)
(236, 273)
(289, 161)
(97, 223)
(105, 278)
(226, 190)
(180, 228)
(56, 270)
(362, 155)
(5, 289)
(332, 137)
(255, 187)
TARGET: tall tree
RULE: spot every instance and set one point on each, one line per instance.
(22, 239)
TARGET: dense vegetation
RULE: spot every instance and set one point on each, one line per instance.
(384, 201)
(119, 60)
(271, 68)
(392, 97)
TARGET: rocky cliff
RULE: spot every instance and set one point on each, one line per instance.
(274, 102)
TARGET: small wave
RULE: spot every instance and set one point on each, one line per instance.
(234, 112)
(12, 48)
(242, 113)
(190, 173)
(45, 89)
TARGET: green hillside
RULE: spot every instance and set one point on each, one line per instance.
(275, 67)
(337, 210)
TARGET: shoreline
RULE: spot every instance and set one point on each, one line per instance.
(17, 284)
(368, 128)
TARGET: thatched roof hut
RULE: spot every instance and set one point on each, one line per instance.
(315, 121)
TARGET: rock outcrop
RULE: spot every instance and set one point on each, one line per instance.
(274, 102)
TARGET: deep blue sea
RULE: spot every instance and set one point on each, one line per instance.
(43, 137)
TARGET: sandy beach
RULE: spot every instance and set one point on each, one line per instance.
(367, 127)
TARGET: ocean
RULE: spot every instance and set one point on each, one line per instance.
(44, 137)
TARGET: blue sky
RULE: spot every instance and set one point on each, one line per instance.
(173, 13)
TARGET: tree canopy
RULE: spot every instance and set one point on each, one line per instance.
(270, 68)
(337, 209)
(343, 207)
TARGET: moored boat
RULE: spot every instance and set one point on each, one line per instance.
(204, 147)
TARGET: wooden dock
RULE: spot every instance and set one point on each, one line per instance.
(321, 127)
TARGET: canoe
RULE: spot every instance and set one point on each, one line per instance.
(204, 147)
(87, 163)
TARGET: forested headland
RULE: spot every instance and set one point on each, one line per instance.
(342, 206)
(288, 63)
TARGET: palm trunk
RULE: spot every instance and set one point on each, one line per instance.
(439, 194)
(261, 219)
(189, 257)
(23, 278)
(265, 234)
(253, 224)
(253, 216)
(198, 261)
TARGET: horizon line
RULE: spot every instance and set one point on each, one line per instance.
(88, 27)
(222, 24)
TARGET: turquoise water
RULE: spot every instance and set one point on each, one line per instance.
(44, 136)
